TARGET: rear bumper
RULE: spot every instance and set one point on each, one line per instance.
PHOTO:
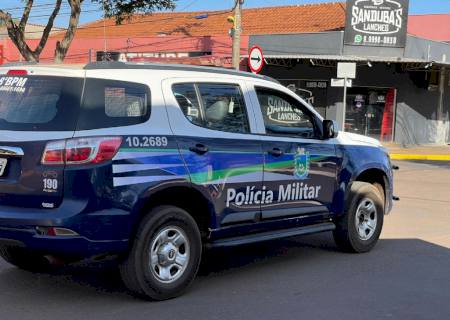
(71, 246)
(99, 232)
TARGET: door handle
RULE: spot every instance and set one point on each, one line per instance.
(276, 152)
(199, 148)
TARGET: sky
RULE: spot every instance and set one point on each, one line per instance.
(91, 11)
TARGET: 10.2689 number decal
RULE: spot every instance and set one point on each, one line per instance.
(145, 142)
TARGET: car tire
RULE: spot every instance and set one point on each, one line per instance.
(25, 259)
(165, 256)
(359, 229)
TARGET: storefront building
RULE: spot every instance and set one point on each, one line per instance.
(402, 86)
(401, 92)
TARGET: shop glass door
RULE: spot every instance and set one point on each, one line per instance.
(370, 112)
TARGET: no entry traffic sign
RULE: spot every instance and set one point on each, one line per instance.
(255, 59)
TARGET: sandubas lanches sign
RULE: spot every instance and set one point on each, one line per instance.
(381, 23)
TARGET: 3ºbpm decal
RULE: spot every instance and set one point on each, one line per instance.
(301, 164)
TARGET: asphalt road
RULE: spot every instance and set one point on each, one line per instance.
(406, 276)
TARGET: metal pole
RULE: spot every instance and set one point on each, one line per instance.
(440, 114)
(344, 104)
(236, 49)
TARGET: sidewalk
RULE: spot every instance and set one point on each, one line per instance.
(433, 153)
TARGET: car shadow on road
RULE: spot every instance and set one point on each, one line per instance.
(400, 271)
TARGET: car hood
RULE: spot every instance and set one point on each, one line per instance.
(352, 138)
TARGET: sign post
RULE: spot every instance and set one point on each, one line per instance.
(346, 71)
(255, 59)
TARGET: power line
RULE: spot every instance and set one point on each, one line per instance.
(59, 14)
(34, 6)
(189, 5)
(215, 13)
(64, 5)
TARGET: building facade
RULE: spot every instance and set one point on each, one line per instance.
(400, 93)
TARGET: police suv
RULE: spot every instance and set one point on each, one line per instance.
(151, 163)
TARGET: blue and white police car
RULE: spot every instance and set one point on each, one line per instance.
(152, 163)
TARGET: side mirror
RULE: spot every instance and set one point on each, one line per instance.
(330, 129)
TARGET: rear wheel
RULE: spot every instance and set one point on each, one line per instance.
(359, 229)
(165, 256)
(25, 259)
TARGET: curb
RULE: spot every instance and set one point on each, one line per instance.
(423, 157)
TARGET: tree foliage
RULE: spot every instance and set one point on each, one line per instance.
(117, 9)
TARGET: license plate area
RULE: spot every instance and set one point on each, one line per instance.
(3, 163)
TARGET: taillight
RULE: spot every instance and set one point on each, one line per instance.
(17, 72)
(81, 150)
(54, 152)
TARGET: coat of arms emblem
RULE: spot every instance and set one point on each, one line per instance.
(301, 164)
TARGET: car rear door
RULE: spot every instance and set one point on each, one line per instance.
(213, 123)
(34, 109)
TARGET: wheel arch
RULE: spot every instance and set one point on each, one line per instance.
(183, 196)
(377, 177)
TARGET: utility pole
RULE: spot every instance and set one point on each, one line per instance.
(236, 56)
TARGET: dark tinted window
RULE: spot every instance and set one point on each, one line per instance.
(39, 103)
(216, 106)
(284, 115)
(110, 103)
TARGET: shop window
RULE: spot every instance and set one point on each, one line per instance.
(370, 112)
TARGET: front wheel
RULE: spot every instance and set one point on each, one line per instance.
(359, 229)
(165, 256)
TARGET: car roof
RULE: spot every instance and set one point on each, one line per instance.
(177, 68)
(173, 67)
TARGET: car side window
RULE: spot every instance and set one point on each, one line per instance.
(186, 96)
(218, 107)
(283, 115)
(113, 103)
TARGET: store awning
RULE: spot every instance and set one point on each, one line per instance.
(329, 47)
(350, 58)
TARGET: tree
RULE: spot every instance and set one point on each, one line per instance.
(118, 9)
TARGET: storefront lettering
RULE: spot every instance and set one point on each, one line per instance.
(280, 110)
(376, 22)
(379, 21)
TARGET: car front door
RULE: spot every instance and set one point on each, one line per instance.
(213, 122)
(299, 167)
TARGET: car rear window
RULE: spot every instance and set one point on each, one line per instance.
(39, 103)
(45, 103)
(112, 103)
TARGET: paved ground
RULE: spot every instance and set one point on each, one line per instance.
(405, 277)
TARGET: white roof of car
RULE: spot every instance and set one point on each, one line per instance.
(79, 69)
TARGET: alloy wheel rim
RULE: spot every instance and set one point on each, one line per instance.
(169, 254)
(366, 219)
